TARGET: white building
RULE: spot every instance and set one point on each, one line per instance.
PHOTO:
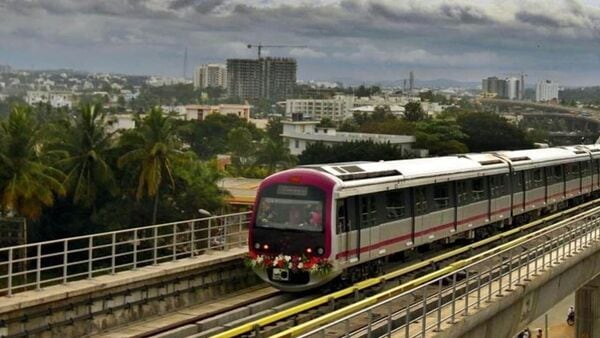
(157, 81)
(200, 112)
(210, 75)
(546, 91)
(336, 109)
(56, 99)
(300, 134)
(121, 122)
(512, 88)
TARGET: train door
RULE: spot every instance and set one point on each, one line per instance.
(419, 211)
(351, 236)
(368, 216)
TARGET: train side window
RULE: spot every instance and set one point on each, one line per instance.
(517, 181)
(395, 204)
(558, 173)
(368, 211)
(585, 168)
(538, 178)
(341, 216)
(441, 195)
(420, 200)
(478, 189)
(497, 185)
(462, 194)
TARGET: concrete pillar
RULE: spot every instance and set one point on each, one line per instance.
(587, 310)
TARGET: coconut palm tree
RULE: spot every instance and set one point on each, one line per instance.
(274, 154)
(83, 145)
(153, 150)
(27, 183)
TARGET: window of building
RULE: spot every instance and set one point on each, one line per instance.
(297, 143)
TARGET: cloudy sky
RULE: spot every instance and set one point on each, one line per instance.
(363, 40)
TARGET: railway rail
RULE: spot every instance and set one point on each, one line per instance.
(284, 316)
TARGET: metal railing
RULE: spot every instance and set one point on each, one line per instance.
(445, 296)
(36, 265)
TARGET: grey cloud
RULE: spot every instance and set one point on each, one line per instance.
(200, 6)
(465, 14)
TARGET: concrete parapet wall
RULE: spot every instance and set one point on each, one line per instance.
(90, 306)
(507, 315)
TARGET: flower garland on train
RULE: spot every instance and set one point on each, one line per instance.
(311, 264)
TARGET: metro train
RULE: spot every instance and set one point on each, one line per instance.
(316, 223)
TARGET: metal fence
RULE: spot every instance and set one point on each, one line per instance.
(36, 265)
(421, 311)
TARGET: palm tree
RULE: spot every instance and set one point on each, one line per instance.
(27, 183)
(84, 144)
(274, 154)
(153, 150)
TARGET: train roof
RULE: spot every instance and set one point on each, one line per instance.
(544, 156)
(594, 149)
(414, 168)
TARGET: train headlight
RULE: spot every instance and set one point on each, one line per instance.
(257, 245)
(266, 247)
(308, 250)
(320, 251)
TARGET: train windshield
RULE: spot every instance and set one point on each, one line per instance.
(290, 207)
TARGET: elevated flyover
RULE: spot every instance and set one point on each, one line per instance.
(492, 294)
(83, 285)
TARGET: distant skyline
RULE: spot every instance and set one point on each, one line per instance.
(362, 40)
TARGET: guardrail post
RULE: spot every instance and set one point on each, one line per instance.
(241, 237)
(467, 293)
(510, 269)
(370, 314)
(453, 304)
(406, 321)
(155, 245)
(135, 240)
(500, 275)
(489, 282)
(478, 290)
(193, 239)
(174, 241)
(113, 250)
(38, 268)
(543, 257)
(209, 240)
(90, 256)
(10, 271)
(65, 261)
(424, 321)
(527, 262)
(389, 321)
(439, 309)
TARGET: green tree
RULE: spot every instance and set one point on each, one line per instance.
(274, 154)
(440, 137)
(27, 183)
(489, 132)
(414, 112)
(239, 142)
(84, 144)
(274, 130)
(154, 151)
(350, 151)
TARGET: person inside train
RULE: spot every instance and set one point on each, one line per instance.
(316, 216)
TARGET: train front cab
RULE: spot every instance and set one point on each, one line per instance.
(292, 218)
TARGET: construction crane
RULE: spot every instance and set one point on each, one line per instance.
(260, 46)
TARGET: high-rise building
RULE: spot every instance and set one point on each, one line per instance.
(411, 81)
(210, 75)
(5, 69)
(509, 88)
(269, 78)
(546, 91)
